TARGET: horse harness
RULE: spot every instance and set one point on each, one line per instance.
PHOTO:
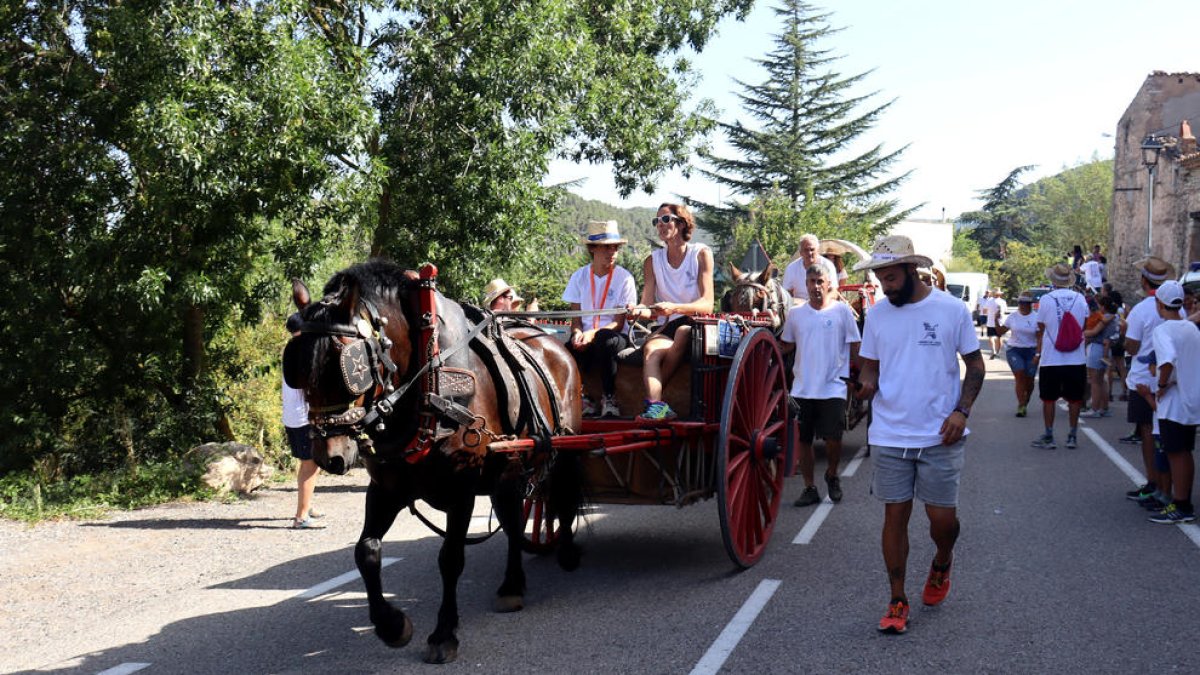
(445, 392)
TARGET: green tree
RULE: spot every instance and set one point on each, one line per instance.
(1002, 219)
(806, 118)
(1026, 265)
(1072, 207)
(774, 220)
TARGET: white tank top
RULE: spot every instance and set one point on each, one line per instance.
(677, 284)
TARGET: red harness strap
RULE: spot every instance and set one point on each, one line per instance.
(427, 352)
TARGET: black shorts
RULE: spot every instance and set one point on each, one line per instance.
(1139, 411)
(1176, 437)
(669, 328)
(991, 332)
(299, 441)
(821, 417)
(1066, 382)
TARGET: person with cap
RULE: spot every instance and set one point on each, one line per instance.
(1176, 345)
(296, 428)
(601, 284)
(1139, 324)
(795, 275)
(498, 296)
(824, 333)
(678, 283)
(996, 308)
(1062, 372)
(1022, 345)
(909, 354)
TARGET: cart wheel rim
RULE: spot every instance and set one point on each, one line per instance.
(752, 447)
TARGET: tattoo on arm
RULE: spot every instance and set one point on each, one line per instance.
(973, 379)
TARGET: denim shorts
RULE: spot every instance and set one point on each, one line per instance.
(929, 474)
(1020, 360)
(1095, 352)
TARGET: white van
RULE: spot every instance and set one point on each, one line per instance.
(968, 287)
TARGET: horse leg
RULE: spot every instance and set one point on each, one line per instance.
(443, 643)
(566, 494)
(507, 500)
(391, 625)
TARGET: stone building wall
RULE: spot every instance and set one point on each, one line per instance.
(1162, 105)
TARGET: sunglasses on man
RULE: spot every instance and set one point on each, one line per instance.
(665, 219)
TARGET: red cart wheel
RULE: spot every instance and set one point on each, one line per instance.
(752, 448)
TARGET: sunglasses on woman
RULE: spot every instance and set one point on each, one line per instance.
(665, 219)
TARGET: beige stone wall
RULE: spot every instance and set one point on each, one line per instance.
(1163, 102)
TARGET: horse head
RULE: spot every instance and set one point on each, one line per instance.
(755, 293)
(355, 346)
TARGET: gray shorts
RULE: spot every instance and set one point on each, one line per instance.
(930, 474)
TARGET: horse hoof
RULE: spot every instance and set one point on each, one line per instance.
(569, 556)
(386, 630)
(442, 653)
(509, 603)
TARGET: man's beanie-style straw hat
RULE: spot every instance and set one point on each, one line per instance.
(895, 249)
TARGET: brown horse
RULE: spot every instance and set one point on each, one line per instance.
(757, 293)
(394, 369)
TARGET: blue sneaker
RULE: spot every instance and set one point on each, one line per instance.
(1172, 515)
(1045, 441)
(658, 411)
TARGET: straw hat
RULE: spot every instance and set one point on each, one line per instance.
(603, 232)
(1155, 269)
(895, 249)
(1025, 299)
(495, 288)
(1060, 275)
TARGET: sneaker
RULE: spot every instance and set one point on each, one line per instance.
(315, 514)
(896, 619)
(1071, 442)
(834, 484)
(1172, 515)
(1152, 503)
(1131, 439)
(1021, 411)
(658, 411)
(589, 406)
(608, 406)
(306, 524)
(809, 497)
(1094, 414)
(1144, 490)
(1045, 441)
(937, 586)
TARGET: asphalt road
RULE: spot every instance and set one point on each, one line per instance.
(1055, 572)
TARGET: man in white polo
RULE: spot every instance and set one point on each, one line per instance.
(910, 350)
(795, 276)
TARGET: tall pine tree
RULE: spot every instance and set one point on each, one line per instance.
(804, 120)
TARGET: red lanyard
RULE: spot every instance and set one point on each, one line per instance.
(603, 296)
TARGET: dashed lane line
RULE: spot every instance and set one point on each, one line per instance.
(729, 638)
(340, 580)
(806, 534)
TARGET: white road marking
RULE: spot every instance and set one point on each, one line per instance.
(1190, 530)
(729, 638)
(814, 521)
(124, 669)
(854, 463)
(342, 579)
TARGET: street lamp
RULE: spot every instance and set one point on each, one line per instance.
(1152, 146)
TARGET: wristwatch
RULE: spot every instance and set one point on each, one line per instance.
(966, 412)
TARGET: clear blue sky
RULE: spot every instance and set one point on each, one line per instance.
(979, 88)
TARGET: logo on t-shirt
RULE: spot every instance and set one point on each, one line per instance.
(929, 338)
(828, 323)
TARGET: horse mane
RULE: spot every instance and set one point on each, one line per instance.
(377, 280)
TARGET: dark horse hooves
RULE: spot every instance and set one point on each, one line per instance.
(569, 555)
(510, 603)
(442, 652)
(395, 629)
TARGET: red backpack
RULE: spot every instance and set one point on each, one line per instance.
(1070, 333)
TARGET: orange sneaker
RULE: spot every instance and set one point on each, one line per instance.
(896, 619)
(937, 586)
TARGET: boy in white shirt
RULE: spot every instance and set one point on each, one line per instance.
(1176, 346)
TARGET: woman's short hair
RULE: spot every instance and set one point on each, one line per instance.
(684, 215)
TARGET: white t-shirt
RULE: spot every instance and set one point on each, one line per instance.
(1178, 343)
(295, 408)
(995, 312)
(822, 338)
(1022, 329)
(680, 285)
(1050, 312)
(1093, 273)
(985, 304)
(1142, 320)
(621, 292)
(794, 276)
(917, 347)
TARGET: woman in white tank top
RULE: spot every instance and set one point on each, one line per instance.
(678, 284)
